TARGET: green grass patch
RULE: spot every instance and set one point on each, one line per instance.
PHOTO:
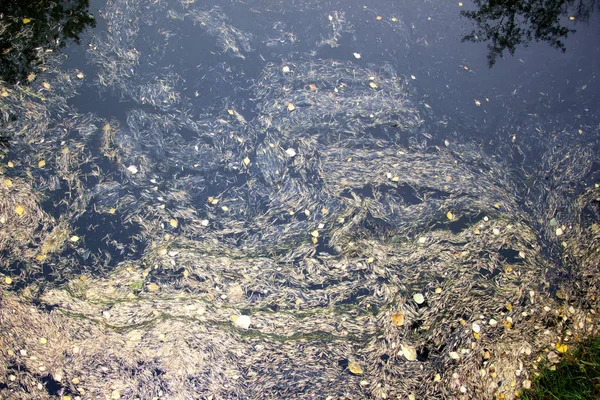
(577, 376)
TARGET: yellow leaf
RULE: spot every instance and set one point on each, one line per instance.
(74, 238)
(19, 210)
(291, 107)
(508, 306)
(355, 368)
(315, 233)
(373, 85)
(449, 215)
(398, 319)
(43, 340)
(40, 257)
(230, 112)
(26, 20)
(153, 287)
(476, 335)
(506, 324)
(173, 223)
(41, 163)
(7, 182)
(394, 19)
(46, 85)
(112, 211)
(312, 86)
(561, 347)
(378, 18)
(246, 161)
(8, 280)
(10, 164)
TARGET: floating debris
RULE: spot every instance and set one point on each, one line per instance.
(409, 352)
(290, 152)
(355, 368)
(418, 298)
(241, 321)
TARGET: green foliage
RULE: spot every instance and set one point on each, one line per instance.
(577, 376)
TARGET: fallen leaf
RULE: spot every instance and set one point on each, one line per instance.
(561, 347)
(19, 210)
(26, 20)
(373, 85)
(409, 352)
(46, 85)
(153, 287)
(290, 152)
(241, 321)
(7, 182)
(112, 211)
(74, 238)
(355, 368)
(285, 69)
(43, 340)
(449, 215)
(7, 280)
(173, 223)
(80, 75)
(454, 355)
(41, 163)
(133, 169)
(418, 298)
(291, 107)
(312, 86)
(10, 164)
(356, 55)
(246, 161)
(398, 319)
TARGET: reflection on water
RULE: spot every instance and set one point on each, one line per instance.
(30, 30)
(267, 201)
(507, 25)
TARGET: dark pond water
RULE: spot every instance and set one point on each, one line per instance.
(332, 164)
